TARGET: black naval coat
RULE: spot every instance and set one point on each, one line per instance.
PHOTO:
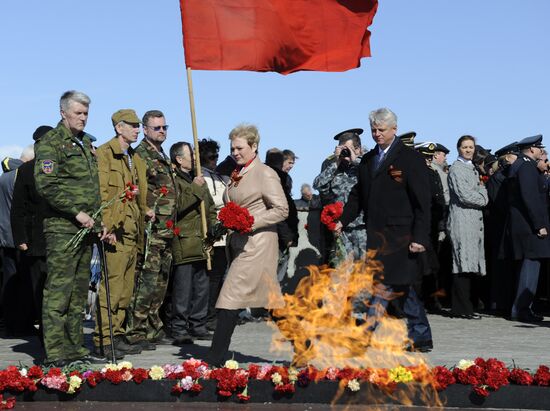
(27, 212)
(528, 202)
(396, 200)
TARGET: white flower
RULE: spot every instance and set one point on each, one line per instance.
(231, 364)
(23, 372)
(125, 364)
(354, 385)
(156, 372)
(276, 378)
(465, 364)
(74, 383)
(186, 383)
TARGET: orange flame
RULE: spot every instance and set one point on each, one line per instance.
(319, 321)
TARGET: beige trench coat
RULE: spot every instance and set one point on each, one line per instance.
(252, 276)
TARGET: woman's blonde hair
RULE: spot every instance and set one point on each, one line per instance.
(247, 131)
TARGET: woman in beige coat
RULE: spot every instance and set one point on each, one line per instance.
(252, 276)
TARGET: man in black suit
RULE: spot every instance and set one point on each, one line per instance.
(393, 192)
(527, 225)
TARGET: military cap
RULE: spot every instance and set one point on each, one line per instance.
(441, 147)
(127, 115)
(427, 148)
(511, 148)
(356, 131)
(535, 141)
(407, 138)
(40, 131)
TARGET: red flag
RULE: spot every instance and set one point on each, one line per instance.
(276, 35)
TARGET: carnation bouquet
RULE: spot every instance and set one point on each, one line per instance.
(231, 217)
(128, 194)
(329, 217)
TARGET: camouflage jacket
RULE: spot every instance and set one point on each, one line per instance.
(66, 177)
(335, 183)
(159, 175)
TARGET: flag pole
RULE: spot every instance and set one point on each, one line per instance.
(198, 170)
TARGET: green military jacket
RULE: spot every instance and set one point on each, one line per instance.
(187, 246)
(66, 177)
(159, 174)
(122, 217)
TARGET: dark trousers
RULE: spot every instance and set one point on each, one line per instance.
(461, 304)
(215, 278)
(38, 272)
(17, 293)
(407, 305)
(225, 325)
(527, 287)
(189, 299)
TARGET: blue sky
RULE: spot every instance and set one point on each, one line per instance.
(445, 67)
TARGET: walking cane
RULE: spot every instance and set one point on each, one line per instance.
(108, 294)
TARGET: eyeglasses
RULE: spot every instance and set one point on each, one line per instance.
(157, 128)
(213, 156)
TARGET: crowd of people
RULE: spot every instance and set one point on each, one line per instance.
(148, 217)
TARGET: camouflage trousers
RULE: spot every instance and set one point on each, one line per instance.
(144, 322)
(355, 241)
(121, 268)
(65, 293)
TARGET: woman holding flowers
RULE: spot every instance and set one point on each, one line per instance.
(252, 275)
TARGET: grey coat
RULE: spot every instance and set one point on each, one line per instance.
(465, 223)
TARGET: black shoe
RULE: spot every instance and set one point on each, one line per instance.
(421, 346)
(183, 339)
(204, 335)
(466, 316)
(106, 354)
(55, 363)
(529, 318)
(145, 345)
(91, 359)
(123, 347)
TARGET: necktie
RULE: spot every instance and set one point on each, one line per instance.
(380, 159)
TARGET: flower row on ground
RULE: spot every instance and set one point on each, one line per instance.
(483, 375)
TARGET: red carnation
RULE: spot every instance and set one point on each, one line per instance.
(542, 376)
(237, 218)
(35, 372)
(243, 398)
(169, 224)
(196, 388)
(163, 191)
(139, 375)
(443, 378)
(481, 391)
(331, 213)
(176, 231)
(521, 377)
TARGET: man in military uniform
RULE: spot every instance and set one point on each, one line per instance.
(428, 283)
(527, 225)
(66, 176)
(144, 323)
(334, 183)
(502, 272)
(118, 166)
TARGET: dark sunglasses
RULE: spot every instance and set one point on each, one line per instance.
(157, 128)
(213, 156)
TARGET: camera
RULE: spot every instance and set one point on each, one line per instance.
(345, 153)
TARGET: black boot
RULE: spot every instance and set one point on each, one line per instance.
(225, 325)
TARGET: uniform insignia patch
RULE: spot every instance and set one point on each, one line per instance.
(47, 166)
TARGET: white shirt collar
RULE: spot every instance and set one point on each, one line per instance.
(464, 160)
